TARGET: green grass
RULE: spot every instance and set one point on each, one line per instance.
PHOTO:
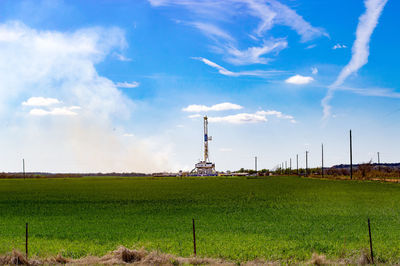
(277, 218)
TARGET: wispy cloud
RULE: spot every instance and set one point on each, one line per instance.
(377, 92)
(212, 31)
(360, 51)
(204, 8)
(133, 84)
(272, 12)
(268, 12)
(251, 118)
(254, 55)
(209, 14)
(314, 70)
(299, 80)
(121, 57)
(339, 46)
(40, 101)
(196, 108)
(224, 71)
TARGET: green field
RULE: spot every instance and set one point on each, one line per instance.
(276, 218)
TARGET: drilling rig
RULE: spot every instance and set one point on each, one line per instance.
(205, 167)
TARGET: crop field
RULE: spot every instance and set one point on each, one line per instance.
(275, 218)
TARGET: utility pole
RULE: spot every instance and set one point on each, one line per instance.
(23, 167)
(322, 167)
(379, 162)
(306, 163)
(351, 157)
(255, 163)
(297, 163)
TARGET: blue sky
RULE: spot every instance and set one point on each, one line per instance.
(121, 85)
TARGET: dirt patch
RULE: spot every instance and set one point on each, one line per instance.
(318, 259)
(124, 256)
(386, 180)
(121, 256)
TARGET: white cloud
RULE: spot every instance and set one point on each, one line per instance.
(339, 46)
(314, 70)
(253, 55)
(40, 101)
(39, 62)
(246, 118)
(224, 71)
(242, 118)
(277, 114)
(194, 116)
(63, 111)
(61, 65)
(196, 108)
(133, 84)
(128, 135)
(360, 50)
(299, 80)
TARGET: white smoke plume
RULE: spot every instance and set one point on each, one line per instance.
(82, 130)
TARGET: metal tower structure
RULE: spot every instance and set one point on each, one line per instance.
(205, 167)
(206, 139)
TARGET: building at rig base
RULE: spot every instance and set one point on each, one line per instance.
(205, 167)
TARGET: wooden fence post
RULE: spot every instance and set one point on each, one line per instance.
(370, 241)
(194, 238)
(26, 240)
